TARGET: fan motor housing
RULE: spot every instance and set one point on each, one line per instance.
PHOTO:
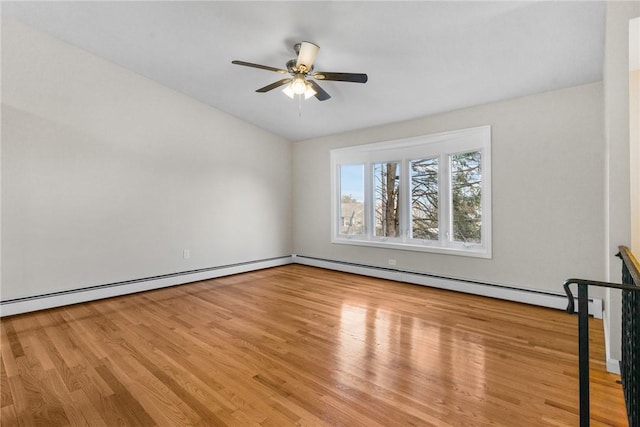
(291, 67)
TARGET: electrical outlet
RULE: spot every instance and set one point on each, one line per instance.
(392, 261)
(186, 254)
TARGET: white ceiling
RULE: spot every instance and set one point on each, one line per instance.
(422, 58)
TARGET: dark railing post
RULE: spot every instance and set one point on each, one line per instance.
(583, 344)
(583, 352)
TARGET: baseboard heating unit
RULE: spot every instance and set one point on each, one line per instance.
(527, 296)
(92, 293)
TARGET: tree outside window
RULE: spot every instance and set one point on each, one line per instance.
(466, 197)
(424, 199)
(387, 185)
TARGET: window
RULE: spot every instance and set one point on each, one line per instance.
(430, 193)
(424, 199)
(386, 185)
(466, 197)
(352, 200)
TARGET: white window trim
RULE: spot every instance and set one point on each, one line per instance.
(404, 150)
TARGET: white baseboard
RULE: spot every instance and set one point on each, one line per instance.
(42, 302)
(613, 366)
(527, 296)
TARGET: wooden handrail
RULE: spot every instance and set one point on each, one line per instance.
(631, 262)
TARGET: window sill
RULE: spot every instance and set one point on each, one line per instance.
(474, 252)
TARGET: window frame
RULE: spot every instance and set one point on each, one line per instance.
(441, 145)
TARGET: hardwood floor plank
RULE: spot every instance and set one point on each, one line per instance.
(91, 415)
(14, 341)
(6, 399)
(133, 413)
(8, 416)
(22, 412)
(297, 345)
(42, 400)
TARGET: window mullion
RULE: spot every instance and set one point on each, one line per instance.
(369, 198)
(405, 200)
(444, 200)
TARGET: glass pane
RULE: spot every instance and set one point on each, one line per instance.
(352, 199)
(466, 197)
(424, 199)
(386, 183)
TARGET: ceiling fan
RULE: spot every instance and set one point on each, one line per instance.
(302, 80)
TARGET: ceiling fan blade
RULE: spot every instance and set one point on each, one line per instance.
(341, 77)
(262, 67)
(273, 85)
(307, 55)
(320, 93)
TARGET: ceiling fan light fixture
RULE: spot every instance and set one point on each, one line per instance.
(309, 92)
(288, 91)
(307, 55)
(299, 86)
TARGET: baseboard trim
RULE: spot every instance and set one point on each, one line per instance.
(527, 296)
(58, 299)
(613, 366)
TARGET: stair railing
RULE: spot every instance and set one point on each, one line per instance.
(630, 363)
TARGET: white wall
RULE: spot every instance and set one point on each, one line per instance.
(634, 132)
(548, 157)
(108, 176)
(617, 196)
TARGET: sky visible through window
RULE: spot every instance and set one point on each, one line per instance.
(352, 181)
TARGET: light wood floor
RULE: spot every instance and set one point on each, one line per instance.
(297, 345)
